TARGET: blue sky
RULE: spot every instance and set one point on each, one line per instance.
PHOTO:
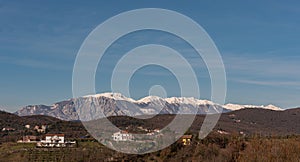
(259, 43)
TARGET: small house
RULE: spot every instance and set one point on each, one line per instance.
(8, 129)
(222, 132)
(41, 129)
(29, 139)
(186, 139)
(122, 136)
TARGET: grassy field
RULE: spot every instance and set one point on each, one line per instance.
(213, 148)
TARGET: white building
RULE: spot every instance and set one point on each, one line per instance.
(8, 129)
(41, 129)
(122, 136)
(28, 139)
(55, 140)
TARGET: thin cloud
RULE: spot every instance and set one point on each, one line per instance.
(34, 63)
(268, 83)
(267, 66)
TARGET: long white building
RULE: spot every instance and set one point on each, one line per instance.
(122, 136)
(55, 140)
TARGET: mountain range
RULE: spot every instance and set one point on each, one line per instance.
(97, 106)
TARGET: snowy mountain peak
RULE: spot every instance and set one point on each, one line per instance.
(272, 107)
(150, 99)
(234, 107)
(115, 96)
(188, 100)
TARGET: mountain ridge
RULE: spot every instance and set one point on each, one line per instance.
(91, 107)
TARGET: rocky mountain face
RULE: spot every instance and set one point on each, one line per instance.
(115, 104)
(64, 110)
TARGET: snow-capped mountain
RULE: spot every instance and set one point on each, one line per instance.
(2, 109)
(234, 107)
(115, 104)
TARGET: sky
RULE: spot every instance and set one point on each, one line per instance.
(258, 41)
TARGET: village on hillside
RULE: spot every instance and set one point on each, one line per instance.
(39, 135)
(44, 139)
